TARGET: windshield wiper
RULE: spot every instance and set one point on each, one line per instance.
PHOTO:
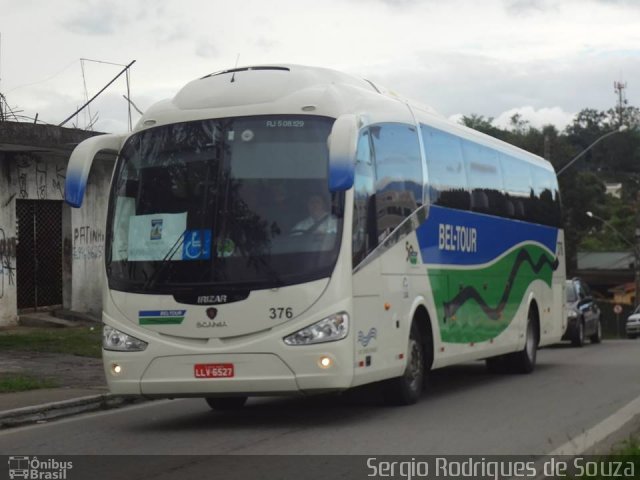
(164, 262)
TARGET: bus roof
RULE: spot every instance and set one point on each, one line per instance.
(297, 89)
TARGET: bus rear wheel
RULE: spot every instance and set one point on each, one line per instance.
(407, 389)
(226, 403)
(524, 361)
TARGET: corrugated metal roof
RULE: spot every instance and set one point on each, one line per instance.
(605, 260)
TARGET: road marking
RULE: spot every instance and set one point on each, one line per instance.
(611, 424)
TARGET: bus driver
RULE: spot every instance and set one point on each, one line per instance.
(320, 220)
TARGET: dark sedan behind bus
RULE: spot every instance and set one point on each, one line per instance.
(583, 315)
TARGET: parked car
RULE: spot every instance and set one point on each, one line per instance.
(583, 315)
(633, 323)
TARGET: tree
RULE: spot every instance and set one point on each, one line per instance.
(484, 125)
(581, 193)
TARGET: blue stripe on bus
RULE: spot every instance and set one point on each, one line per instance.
(457, 237)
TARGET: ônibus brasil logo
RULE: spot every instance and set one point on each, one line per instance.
(32, 468)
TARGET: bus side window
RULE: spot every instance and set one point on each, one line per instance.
(485, 179)
(556, 217)
(364, 226)
(396, 151)
(545, 200)
(447, 177)
(517, 186)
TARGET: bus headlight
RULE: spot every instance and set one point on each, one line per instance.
(115, 340)
(329, 329)
(572, 314)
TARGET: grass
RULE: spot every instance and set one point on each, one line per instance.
(628, 452)
(13, 382)
(82, 341)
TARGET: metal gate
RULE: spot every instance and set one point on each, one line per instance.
(39, 253)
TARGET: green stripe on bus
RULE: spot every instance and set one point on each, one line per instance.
(160, 320)
(477, 305)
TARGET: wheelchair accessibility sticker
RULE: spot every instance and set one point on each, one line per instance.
(197, 245)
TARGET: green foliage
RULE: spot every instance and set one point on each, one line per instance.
(624, 454)
(85, 342)
(484, 125)
(13, 382)
(614, 159)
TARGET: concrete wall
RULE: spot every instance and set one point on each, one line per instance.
(41, 176)
(7, 246)
(89, 226)
(29, 176)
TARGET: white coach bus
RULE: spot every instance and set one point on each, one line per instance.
(279, 230)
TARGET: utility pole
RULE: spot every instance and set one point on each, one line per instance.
(547, 147)
(619, 89)
(636, 251)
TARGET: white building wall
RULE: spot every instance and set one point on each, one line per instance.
(8, 314)
(25, 176)
(89, 225)
(36, 176)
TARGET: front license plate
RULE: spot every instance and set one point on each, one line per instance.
(213, 370)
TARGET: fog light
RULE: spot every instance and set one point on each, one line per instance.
(116, 369)
(325, 362)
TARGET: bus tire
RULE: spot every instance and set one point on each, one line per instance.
(407, 389)
(524, 361)
(226, 403)
(497, 364)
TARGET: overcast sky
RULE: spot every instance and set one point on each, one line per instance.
(547, 59)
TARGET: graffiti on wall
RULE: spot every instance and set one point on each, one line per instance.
(88, 243)
(24, 166)
(41, 180)
(47, 178)
(58, 180)
(7, 265)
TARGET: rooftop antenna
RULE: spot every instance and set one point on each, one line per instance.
(86, 92)
(127, 67)
(133, 104)
(233, 77)
(86, 96)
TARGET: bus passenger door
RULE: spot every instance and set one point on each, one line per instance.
(368, 324)
(368, 308)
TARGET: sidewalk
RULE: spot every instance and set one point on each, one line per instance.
(78, 381)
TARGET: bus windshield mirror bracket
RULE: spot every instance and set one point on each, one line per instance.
(342, 152)
(80, 164)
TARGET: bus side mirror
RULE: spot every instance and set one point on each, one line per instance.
(80, 164)
(342, 153)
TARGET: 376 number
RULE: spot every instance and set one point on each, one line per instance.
(280, 312)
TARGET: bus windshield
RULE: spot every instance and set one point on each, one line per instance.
(238, 202)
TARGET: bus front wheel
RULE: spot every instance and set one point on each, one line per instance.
(226, 403)
(407, 389)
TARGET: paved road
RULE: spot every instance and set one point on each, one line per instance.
(467, 411)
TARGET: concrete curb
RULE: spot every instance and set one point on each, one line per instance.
(66, 408)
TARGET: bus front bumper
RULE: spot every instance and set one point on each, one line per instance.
(253, 374)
